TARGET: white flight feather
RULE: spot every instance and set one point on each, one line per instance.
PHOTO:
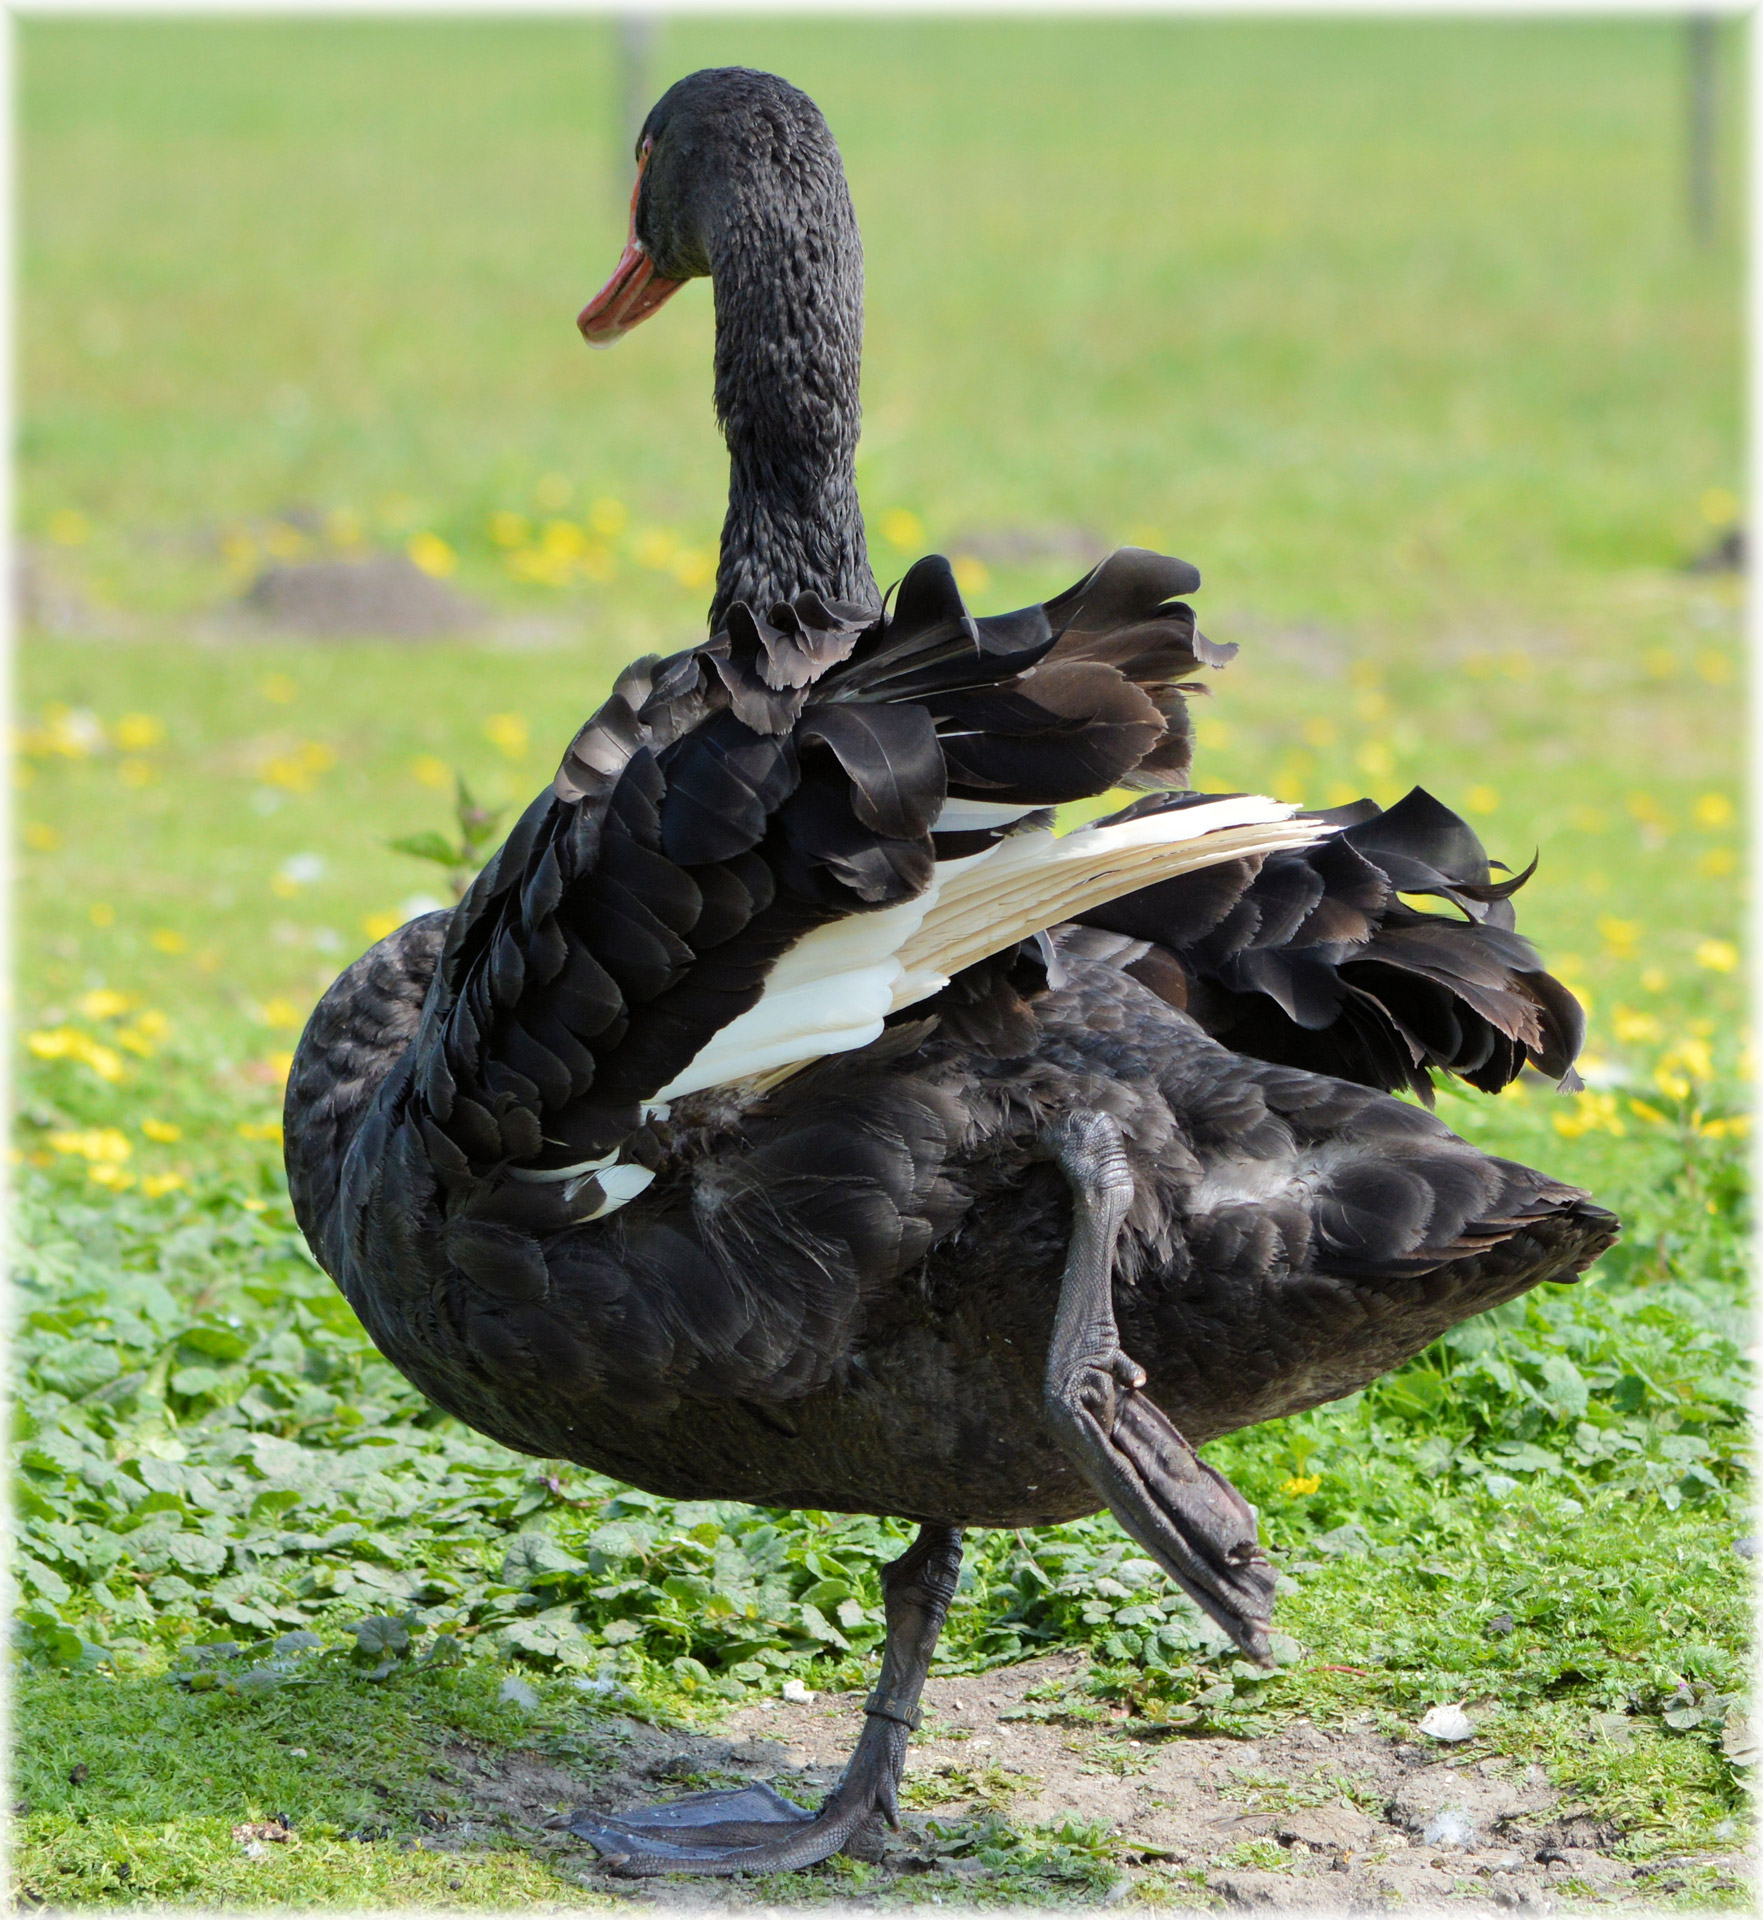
(832, 990)
(969, 816)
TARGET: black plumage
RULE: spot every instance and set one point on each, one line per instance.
(966, 1269)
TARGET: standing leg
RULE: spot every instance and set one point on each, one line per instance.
(753, 1829)
(1178, 1508)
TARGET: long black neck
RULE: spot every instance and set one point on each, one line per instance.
(788, 278)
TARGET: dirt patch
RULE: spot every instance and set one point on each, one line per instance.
(383, 596)
(1306, 1818)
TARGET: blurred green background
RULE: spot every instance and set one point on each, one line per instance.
(1398, 329)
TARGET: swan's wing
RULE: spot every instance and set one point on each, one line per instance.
(759, 849)
(1311, 958)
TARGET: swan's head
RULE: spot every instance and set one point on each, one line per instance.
(725, 155)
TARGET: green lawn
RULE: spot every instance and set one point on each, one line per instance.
(1396, 329)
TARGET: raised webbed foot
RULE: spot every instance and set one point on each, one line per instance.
(1177, 1507)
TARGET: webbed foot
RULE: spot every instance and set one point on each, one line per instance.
(748, 1830)
(753, 1829)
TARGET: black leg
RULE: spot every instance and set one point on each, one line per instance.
(1177, 1507)
(754, 1830)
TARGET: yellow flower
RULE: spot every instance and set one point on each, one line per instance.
(1375, 759)
(167, 940)
(40, 838)
(1212, 733)
(1692, 1054)
(1720, 507)
(1482, 800)
(255, 1206)
(1716, 863)
(106, 1173)
(1718, 956)
(1713, 810)
(281, 1064)
(1372, 704)
(279, 1012)
(1647, 810)
(1660, 663)
(1620, 935)
(278, 687)
(104, 1003)
(654, 548)
(608, 518)
(139, 732)
(68, 1043)
(531, 563)
(432, 554)
(97, 1144)
(298, 769)
(553, 491)
(1714, 667)
(377, 925)
(260, 1130)
(1630, 1025)
(164, 1131)
(1643, 1110)
(971, 575)
(509, 732)
(430, 770)
(597, 563)
(70, 732)
(1319, 732)
(902, 527)
(1300, 1483)
(1734, 1126)
(69, 528)
(1593, 1113)
(510, 529)
(1655, 979)
(140, 1034)
(692, 568)
(136, 773)
(562, 540)
(156, 1184)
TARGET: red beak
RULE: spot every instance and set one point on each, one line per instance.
(632, 294)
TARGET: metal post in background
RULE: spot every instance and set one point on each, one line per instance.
(636, 82)
(1701, 131)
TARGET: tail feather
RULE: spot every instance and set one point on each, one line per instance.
(1312, 957)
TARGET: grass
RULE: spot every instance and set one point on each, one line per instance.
(1395, 328)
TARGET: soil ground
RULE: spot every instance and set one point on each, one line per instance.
(1343, 1818)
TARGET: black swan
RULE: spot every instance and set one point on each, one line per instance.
(785, 1115)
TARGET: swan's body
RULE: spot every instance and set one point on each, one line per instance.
(735, 1138)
